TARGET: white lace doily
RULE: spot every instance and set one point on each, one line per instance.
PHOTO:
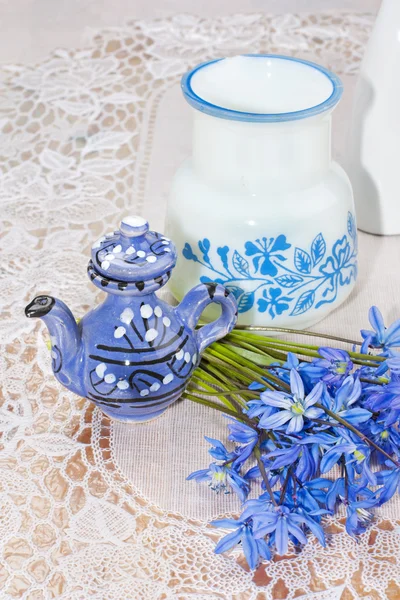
(101, 511)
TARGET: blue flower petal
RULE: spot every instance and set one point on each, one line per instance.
(315, 395)
(393, 334)
(281, 536)
(226, 523)
(276, 420)
(297, 532)
(229, 541)
(296, 384)
(201, 475)
(263, 549)
(278, 399)
(295, 425)
(376, 320)
(250, 548)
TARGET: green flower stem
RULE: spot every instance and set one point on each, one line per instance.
(237, 342)
(359, 359)
(248, 365)
(225, 383)
(264, 475)
(272, 342)
(210, 391)
(363, 437)
(272, 356)
(298, 332)
(265, 340)
(230, 393)
(296, 350)
(372, 382)
(238, 369)
(226, 369)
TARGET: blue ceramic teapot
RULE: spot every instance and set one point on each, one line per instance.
(133, 354)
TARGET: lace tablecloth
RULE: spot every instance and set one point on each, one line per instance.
(96, 510)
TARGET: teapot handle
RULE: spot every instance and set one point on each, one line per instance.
(195, 301)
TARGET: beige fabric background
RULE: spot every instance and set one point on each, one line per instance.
(30, 29)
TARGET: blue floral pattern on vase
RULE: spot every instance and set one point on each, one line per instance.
(278, 278)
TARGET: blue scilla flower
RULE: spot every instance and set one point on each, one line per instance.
(253, 548)
(333, 367)
(255, 473)
(356, 457)
(385, 338)
(393, 364)
(219, 451)
(358, 517)
(296, 406)
(258, 408)
(380, 397)
(346, 492)
(292, 362)
(387, 437)
(311, 494)
(306, 451)
(375, 374)
(391, 482)
(256, 505)
(222, 477)
(246, 436)
(345, 398)
(281, 522)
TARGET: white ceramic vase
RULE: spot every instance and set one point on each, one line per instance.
(260, 206)
(373, 162)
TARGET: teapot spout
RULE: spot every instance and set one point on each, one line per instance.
(66, 340)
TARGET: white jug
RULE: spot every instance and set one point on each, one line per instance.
(374, 161)
(260, 206)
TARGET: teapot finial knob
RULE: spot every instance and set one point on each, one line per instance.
(133, 226)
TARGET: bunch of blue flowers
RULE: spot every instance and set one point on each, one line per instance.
(299, 419)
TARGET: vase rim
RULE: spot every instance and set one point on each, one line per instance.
(215, 110)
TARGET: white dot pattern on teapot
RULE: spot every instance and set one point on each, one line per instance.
(100, 370)
(146, 311)
(151, 335)
(158, 311)
(168, 378)
(110, 378)
(119, 332)
(166, 321)
(123, 384)
(126, 316)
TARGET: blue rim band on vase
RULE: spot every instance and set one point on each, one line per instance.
(235, 115)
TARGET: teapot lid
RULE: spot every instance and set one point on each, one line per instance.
(133, 254)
